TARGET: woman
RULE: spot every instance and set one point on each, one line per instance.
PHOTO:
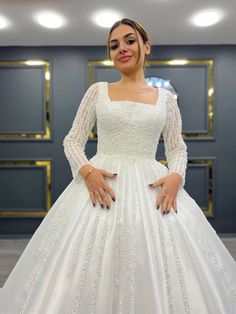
(112, 243)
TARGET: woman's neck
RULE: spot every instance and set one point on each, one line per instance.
(135, 79)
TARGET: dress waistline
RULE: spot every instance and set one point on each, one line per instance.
(125, 157)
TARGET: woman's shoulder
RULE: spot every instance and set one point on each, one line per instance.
(170, 97)
(95, 87)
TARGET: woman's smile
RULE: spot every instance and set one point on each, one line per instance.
(124, 58)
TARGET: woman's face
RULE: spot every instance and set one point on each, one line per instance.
(124, 50)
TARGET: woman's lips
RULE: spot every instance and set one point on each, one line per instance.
(124, 58)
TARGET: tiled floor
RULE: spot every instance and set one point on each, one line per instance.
(11, 249)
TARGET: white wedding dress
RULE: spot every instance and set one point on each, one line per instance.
(129, 259)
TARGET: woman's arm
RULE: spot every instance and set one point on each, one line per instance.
(175, 147)
(75, 141)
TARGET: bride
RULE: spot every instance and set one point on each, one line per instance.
(124, 236)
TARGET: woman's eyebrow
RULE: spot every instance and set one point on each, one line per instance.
(123, 37)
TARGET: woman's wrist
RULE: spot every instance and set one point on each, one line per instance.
(86, 170)
(177, 174)
(177, 177)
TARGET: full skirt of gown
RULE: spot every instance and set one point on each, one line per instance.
(128, 259)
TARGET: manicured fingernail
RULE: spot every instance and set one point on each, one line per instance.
(114, 174)
(93, 205)
(150, 184)
(113, 199)
(158, 206)
(102, 205)
(108, 207)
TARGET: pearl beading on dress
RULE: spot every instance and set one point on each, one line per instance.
(81, 281)
(181, 277)
(74, 142)
(126, 259)
(97, 280)
(165, 264)
(96, 105)
(124, 249)
(58, 219)
(198, 226)
(77, 246)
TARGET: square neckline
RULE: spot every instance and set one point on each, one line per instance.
(131, 101)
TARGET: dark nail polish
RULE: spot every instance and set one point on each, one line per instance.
(158, 206)
(150, 184)
(93, 205)
(114, 174)
(102, 205)
(113, 199)
(108, 207)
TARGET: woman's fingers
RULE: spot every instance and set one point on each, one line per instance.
(166, 204)
(104, 199)
(98, 187)
(109, 190)
(162, 199)
(92, 197)
(175, 205)
(102, 196)
(170, 204)
(99, 198)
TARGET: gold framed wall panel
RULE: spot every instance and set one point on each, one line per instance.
(45, 66)
(208, 63)
(209, 163)
(46, 164)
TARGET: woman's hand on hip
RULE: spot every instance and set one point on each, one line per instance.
(99, 189)
(169, 189)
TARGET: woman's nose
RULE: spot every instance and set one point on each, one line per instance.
(122, 47)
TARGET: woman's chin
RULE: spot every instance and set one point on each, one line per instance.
(126, 69)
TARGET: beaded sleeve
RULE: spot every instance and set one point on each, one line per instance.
(75, 141)
(175, 147)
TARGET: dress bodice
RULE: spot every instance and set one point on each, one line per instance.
(127, 129)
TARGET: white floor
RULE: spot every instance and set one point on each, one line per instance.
(11, 249)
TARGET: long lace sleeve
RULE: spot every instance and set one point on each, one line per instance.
(175, 147)
(75, 141)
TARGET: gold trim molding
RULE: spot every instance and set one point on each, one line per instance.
(45, 65)
(37, 163)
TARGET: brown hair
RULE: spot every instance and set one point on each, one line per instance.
(137, 28)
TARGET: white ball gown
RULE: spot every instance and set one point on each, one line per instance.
(128, 259)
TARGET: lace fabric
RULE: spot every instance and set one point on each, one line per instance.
(137, 137)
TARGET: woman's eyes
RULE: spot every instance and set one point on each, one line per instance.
(113, 47)
(131, 41)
